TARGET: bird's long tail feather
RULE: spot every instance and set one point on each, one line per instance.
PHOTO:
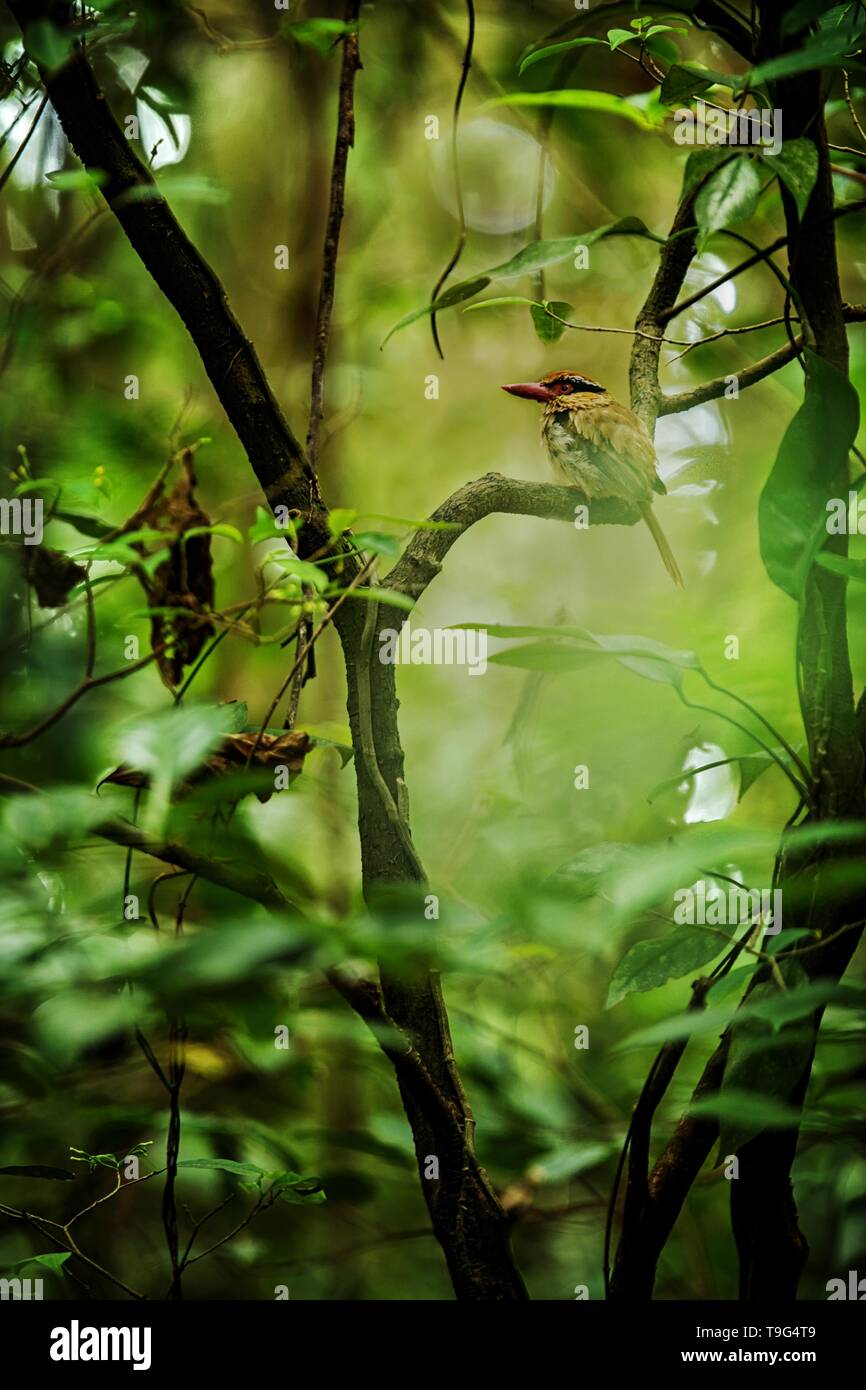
(664, 549)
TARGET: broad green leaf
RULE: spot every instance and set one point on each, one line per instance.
(167, 746)
(301, 570)
(47, 43)
(223, 957)
(572, 99)
(729, 197)
(822, 50)
(392, 598)
(224, 1165)
(318, 34)
(583, 875)
(72, 180)
(799, 16)
(378, 543)
(219, 528)
(692, 1023)
(297, 1190)
(234, 715)
(53, 1261)
(778, 1007)
(811, 465)
(569, 1161)
(751, 766)
(797, 166)
(265, 528)
(554, 658)
(340, 519)
(61, 816)
(617, 37)
(700, 165)
(550, 330)
(747, 1111)
(685, 80)
(553, 50)
(73, 1020)
(535, 256)
(761, 1072)
(649, 964)
(648, 658)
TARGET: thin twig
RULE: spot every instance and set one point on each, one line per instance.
(345, 140)
(455, 166)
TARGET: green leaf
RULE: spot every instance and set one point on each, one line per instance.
(730, 196)
(392, 598)
(265, 528)
(747, 1114)
(692, 1023)
(569, 1161)
(47, 43)
(234, 715)
(811, 465)
(535, 256)
(379, 543)
(340, 519)
(37, 1170)
(617, 37)
(220, 528)
(573, 99)
(751, 766)
(167, 746)
(700, 165)
(71, 180)
(53, 1262)
(583, 875)
(224, 1165)
(58, 817)
(778, 1007)
(554, 49)
(318, 34)
(822, 50)
(649, 964)
(550, 330)
(553, 658)
(646, 657)
(301, 570)
(685, 80)
(798, 17)
(298, 1190)
(797, 166)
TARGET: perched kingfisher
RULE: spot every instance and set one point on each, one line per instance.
(598, 445)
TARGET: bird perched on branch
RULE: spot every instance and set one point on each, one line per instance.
(598, 445)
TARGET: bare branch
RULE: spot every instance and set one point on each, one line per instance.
(422, 559)
(748, 376)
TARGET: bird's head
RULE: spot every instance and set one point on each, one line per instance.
(556, 387)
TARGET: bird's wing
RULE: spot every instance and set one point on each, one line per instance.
(623, 447)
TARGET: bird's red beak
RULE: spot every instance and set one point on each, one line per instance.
(531, 390)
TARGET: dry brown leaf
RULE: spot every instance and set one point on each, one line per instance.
(51, 574)
(234, 754)
(185, 579)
